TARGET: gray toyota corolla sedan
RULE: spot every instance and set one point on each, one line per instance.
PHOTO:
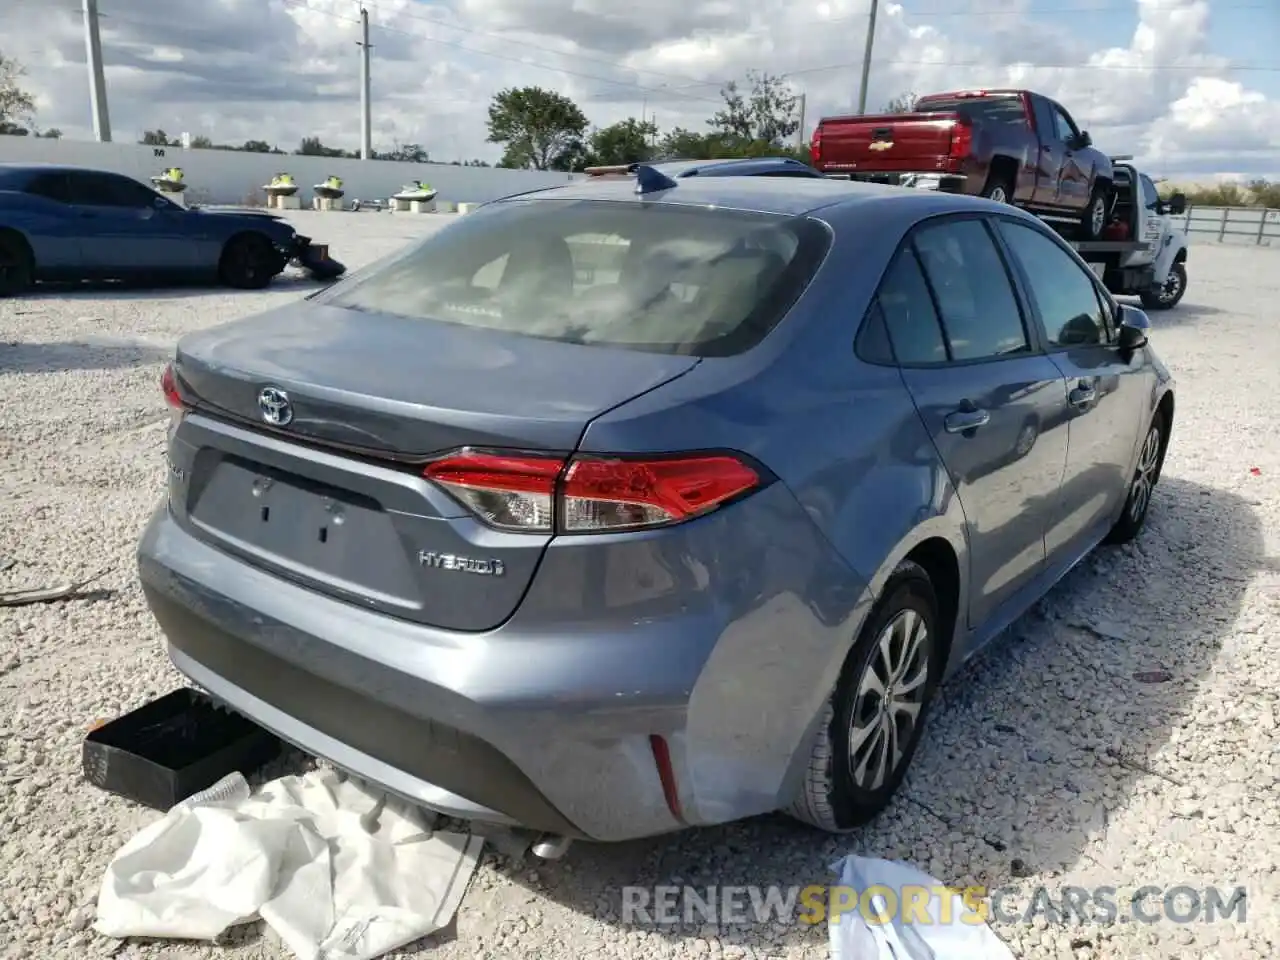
(639, 504)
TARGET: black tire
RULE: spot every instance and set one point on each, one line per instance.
(998, 188)
(17, 266)
(1138, 503)
(831, 797)
(1168, 295)
(1093, 221)
(249, 262)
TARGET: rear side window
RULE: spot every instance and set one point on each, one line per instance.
(654, 277)
(908, 312)
(1064, 293)
(1004, 109)
(980, 314)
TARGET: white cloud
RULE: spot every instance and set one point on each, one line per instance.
(284, 69)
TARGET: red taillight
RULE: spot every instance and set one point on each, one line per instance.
(509, 491)
(815, 146)
(539, 494)
(961, 140)
(624, 494)
(169, 385)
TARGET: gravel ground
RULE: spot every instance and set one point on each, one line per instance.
(1046, 764)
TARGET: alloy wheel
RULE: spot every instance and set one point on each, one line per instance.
(1171, 288)
(1145, 479)
(889, 700)
(1098, 216)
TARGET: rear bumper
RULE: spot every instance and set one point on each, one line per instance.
(544, 722)
(924, 180)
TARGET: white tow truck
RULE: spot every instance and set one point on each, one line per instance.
(1143, 253)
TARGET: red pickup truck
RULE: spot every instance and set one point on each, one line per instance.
(1014, 146)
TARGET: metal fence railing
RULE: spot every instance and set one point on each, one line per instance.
(1249, 225)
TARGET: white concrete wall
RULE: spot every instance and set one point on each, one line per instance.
(223, 176)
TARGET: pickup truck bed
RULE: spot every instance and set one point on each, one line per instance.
(1013, 146)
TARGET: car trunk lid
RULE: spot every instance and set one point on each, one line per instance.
(334, 496)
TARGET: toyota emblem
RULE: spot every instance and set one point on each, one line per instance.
(275, 406)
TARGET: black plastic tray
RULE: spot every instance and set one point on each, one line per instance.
(172, 747)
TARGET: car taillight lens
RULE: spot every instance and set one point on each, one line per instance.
(961, 140)
(815, 146)
(508, 491)
(537, 494)
(169, 385)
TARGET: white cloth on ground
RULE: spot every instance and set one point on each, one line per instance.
(955, 931)
(338, 870)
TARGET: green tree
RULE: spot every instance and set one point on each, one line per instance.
(158, 138)
(407, 153)
(538, 128)
(258, 146)
(902, 103)
(627, 141)
(16, 104)
(764, 118)
(1265, 193)
(204, 143)
(312, 147)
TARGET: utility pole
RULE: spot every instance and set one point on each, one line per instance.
(366, 129)
(866, 57)
(97, 78)
(800, 129)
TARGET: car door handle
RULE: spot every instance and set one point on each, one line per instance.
(1082, 395)
(962, 421)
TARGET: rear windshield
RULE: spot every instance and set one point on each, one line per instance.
(1000, 109)
(662, 278)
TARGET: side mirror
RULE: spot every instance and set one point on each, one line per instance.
(1176, 204)
(1134, 326)
(1083, 140)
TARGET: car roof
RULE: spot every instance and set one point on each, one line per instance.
(785, 196)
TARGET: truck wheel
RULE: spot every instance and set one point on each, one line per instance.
(998, 189)
(1167, 295)
(1094, 220)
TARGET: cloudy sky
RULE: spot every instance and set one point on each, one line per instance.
(1190, 86)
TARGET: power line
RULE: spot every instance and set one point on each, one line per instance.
(303, 5)
(1162, 68)
(586, 58)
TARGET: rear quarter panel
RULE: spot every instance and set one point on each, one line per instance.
(1016, 146)
(49, 228)
(857, 466)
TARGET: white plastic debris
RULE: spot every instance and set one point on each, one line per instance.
(338, 871)
(874, 922)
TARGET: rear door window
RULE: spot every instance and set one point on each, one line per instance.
(658, 277)
(980, 315)
(909, 316)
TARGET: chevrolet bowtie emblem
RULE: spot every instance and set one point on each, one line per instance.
(882, 145)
